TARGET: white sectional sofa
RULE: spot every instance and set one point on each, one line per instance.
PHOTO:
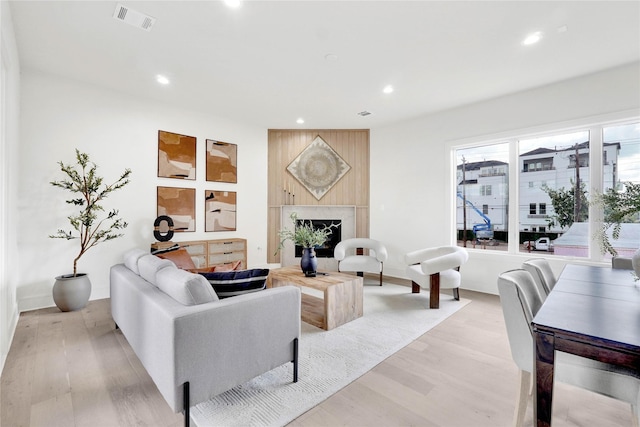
(193, 345)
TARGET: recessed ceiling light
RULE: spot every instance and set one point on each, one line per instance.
(364, 113)
(232, 3)
(300, 121)
(532, 38)
(388, 89)
(162, 79)
(331, 57)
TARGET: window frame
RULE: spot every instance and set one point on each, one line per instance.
(595, 127)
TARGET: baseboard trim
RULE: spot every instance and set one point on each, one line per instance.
(45, 301)
(15, 315)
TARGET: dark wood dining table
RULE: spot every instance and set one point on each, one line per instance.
(592, 312)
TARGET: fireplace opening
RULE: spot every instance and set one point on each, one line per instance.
(326, 250)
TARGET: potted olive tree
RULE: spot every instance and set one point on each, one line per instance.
(309, 237)
(89, 227)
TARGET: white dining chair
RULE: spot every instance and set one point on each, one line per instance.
(542, 273)
(520, 302)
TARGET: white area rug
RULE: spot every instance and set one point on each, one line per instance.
(329, 360)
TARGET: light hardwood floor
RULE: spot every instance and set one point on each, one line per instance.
(75, 369)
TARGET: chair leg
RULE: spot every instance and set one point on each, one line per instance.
(522, 398)
(434, 286)
(381, 278)
(415, 288)
(456, 294)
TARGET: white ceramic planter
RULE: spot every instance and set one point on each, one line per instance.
(70, 292)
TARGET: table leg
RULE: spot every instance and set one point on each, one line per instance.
(543, 373)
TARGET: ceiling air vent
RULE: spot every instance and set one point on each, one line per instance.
(133, 17)
(364, 113)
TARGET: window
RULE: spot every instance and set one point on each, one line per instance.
(482, 196)
(553, 207)
(621, 146)
(555, 192)
(536, 165)
(584, 160)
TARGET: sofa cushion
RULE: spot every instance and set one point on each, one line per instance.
(149, 265)
(131, 259)
(185, 287)
(237, 282)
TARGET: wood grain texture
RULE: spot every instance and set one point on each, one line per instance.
(351, 190)
(343, 297)
(458, 374)
(76, 369)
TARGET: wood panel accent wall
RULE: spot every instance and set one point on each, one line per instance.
(351, 190)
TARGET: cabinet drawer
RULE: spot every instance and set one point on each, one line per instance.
(196, 248)
(225, 257)
(229, 246)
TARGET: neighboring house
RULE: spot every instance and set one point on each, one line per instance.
(484, 185)
(556, 169)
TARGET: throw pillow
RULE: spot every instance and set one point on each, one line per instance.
(180, 257)
(237, 282)
(185, 287)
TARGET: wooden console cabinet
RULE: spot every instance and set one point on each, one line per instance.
(207, 253)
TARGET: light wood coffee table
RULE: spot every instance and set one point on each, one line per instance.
(342, 300)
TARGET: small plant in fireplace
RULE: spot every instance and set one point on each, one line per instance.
(322, 235)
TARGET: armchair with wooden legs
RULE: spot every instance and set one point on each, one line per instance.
(435, 269)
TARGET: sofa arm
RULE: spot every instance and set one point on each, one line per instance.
(220, 347)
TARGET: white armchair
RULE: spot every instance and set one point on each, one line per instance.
(435, 269)
(351, 257)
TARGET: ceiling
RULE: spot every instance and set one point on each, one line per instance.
(268, 63)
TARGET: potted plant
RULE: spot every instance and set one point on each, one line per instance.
(619, 207)
(71, 291)
(309, 237)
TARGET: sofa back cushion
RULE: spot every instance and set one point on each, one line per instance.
(185, 287)
(237, 282)
(149, 265)
(131, 258)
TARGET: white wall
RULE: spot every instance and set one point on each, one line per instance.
(117, 131)
(410, 187)
(9, 142)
